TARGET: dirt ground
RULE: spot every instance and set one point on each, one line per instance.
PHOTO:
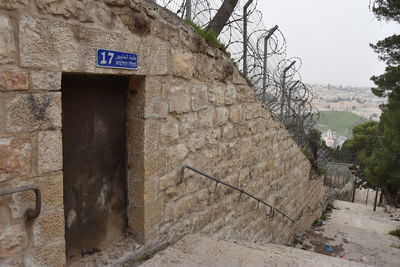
(355, 232)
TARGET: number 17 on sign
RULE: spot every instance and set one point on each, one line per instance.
(110, 57)
(116, 59)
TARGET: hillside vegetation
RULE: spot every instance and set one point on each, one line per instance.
(341, 122)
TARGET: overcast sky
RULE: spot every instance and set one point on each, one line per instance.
(331, 37)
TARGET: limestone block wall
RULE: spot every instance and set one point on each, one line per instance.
(221, 129)
(187, 104)
(30, 153)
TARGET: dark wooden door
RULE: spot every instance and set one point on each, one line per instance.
(94, 156)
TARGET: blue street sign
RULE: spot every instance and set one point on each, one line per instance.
(116, 59)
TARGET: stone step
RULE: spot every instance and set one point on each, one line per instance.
(196, 250)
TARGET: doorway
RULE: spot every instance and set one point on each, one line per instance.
(94, 160)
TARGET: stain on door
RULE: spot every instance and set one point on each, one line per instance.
(94, 157)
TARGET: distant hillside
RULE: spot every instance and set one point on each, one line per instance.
(341, 122)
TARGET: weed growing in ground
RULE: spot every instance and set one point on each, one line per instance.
(296, 240)
(395, 233)
(395, 246)
(208, 35)
(325, 216)
(327, 211)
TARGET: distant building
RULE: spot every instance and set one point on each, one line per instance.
(331, 140)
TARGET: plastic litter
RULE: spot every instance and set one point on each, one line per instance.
(329, 248)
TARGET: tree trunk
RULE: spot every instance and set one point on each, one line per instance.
(221, 18)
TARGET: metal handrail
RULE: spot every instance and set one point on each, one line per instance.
(29, 213)
(218, 181)
(272, 209)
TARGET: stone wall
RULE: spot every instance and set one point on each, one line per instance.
(188, 104)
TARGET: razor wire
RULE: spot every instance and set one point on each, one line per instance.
(260, 53)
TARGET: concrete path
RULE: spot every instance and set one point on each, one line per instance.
(195, 250)
(357, 233)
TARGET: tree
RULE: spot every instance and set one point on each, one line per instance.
(343, 154)
(362, 146)
(388, 51)
(222, 16)
(387, 10)
(382, 165)
(312, 149)
(364, 141)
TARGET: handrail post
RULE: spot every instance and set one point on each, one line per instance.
(182, 173)
(29, 213)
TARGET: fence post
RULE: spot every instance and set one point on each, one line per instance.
(188, 10)
(245, 37)
(290, 95)
(299, 108)
(283, 94)
(366, 199)
(376, 198)
(343, 182)
(284, 85)
(270, 33)
(354, 191)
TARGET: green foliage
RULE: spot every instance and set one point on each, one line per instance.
(341, 122)
(388, 82)
(343, 154)
(296, 240)
(307, 152)
(329, 208)
(321, 171)
(388, 49)
(395, 233)
(316, 223)
(311, 148)
(365, 139)
(387, 10)
(374, 152)
(380, 164)
(395, 246)
(208, 35)
(383, 164)
(314, 142)
(361, 147)
(326, 214)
